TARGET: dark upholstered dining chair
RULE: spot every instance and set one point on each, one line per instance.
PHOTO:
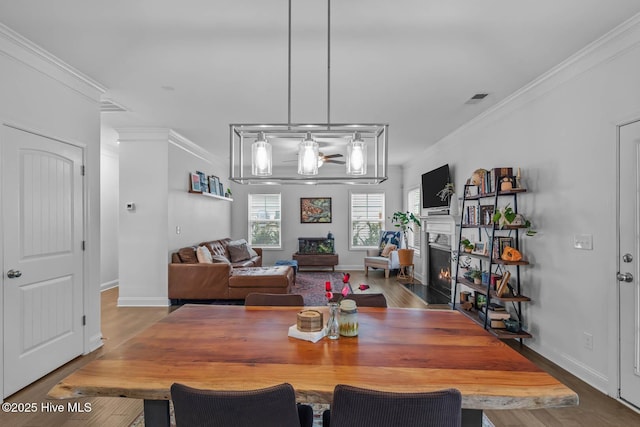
(358, 407)
(256, 298)
(268, 407)
(365, 300)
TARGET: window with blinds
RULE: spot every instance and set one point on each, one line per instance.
(265, 228)
(366, 219)
(413, 206)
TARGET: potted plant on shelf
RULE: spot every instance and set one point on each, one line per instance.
(404, 221)
(507, 217)
(467, 246)
(476, 275)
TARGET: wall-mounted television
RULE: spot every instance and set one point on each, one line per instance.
(432, 182)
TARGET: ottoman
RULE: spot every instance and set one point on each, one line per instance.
(272, 280)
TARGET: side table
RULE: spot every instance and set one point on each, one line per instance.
(406, 272)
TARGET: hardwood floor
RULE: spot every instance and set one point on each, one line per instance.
(119, 324)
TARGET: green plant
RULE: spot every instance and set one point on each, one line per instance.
(403, 220)
(467, 244)
(448, 191)
(229, 192)
(475, 273)
(506, 217)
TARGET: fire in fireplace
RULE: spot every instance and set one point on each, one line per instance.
(439, 283)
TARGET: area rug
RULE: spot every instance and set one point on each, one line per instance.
(318, 409)
(311, 285)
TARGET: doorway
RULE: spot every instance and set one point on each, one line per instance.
(628, 261)
(43, 228)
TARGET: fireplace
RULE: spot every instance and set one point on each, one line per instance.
(439, 274)
(438, 242)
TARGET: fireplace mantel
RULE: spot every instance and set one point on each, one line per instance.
(439, 232)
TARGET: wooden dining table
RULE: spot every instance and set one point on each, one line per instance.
(241, 348)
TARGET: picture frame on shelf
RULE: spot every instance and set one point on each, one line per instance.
(194, 180)
(216, 184)
(479, 248)
(220, 189)
(315, 210)
(204, 182)
(212, 184)
(499, 243)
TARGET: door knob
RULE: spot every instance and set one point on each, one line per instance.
(625, 277)
(12, 274)
(627, 257)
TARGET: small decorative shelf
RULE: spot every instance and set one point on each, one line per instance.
(213, 196)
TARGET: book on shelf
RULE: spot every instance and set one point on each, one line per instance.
(497, 315)
(488, 184)
(493, 323)
(496, 307)
(486, 214)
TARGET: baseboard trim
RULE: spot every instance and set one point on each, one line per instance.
(108, 285)
(95, 342)
(143, 302)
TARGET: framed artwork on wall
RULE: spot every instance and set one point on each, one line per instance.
(315, 210)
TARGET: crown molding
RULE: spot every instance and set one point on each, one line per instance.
(19, 48)
(616, 42)
(164, 135)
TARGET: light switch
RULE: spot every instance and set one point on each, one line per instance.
(178, 229)
(583, 241)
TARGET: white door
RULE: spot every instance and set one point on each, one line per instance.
(42, 222)
(628, 264)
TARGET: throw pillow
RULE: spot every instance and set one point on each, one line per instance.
(188, 255)
(220, 259)
(388, 249)
(238, 250)
(204, 255)
(251, 251)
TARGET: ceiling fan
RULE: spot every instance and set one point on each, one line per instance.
(330, 158)
(322, 158)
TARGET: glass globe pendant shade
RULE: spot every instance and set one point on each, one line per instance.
(308, 156)
(261, 157)
(357, 156)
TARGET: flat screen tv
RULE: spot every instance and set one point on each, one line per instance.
(432, 182)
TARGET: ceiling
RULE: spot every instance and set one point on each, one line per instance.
(196, 65)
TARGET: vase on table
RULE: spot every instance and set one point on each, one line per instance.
(333, 325)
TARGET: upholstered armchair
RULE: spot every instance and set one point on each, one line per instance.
(386, 259)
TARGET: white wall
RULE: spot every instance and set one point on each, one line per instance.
(42, 94)
(561, 132)
(200, 218)
(154, 175)
(109, 187)
(292, 228)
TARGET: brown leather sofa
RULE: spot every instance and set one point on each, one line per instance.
(189, 279)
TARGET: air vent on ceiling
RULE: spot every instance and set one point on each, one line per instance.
(477, 98)
(109, 106)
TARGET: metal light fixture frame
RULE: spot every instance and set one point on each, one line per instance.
(243, 135)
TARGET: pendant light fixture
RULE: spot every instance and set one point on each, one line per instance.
(308, 156)
(357, 156)
(363, 144)
(261, 159)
